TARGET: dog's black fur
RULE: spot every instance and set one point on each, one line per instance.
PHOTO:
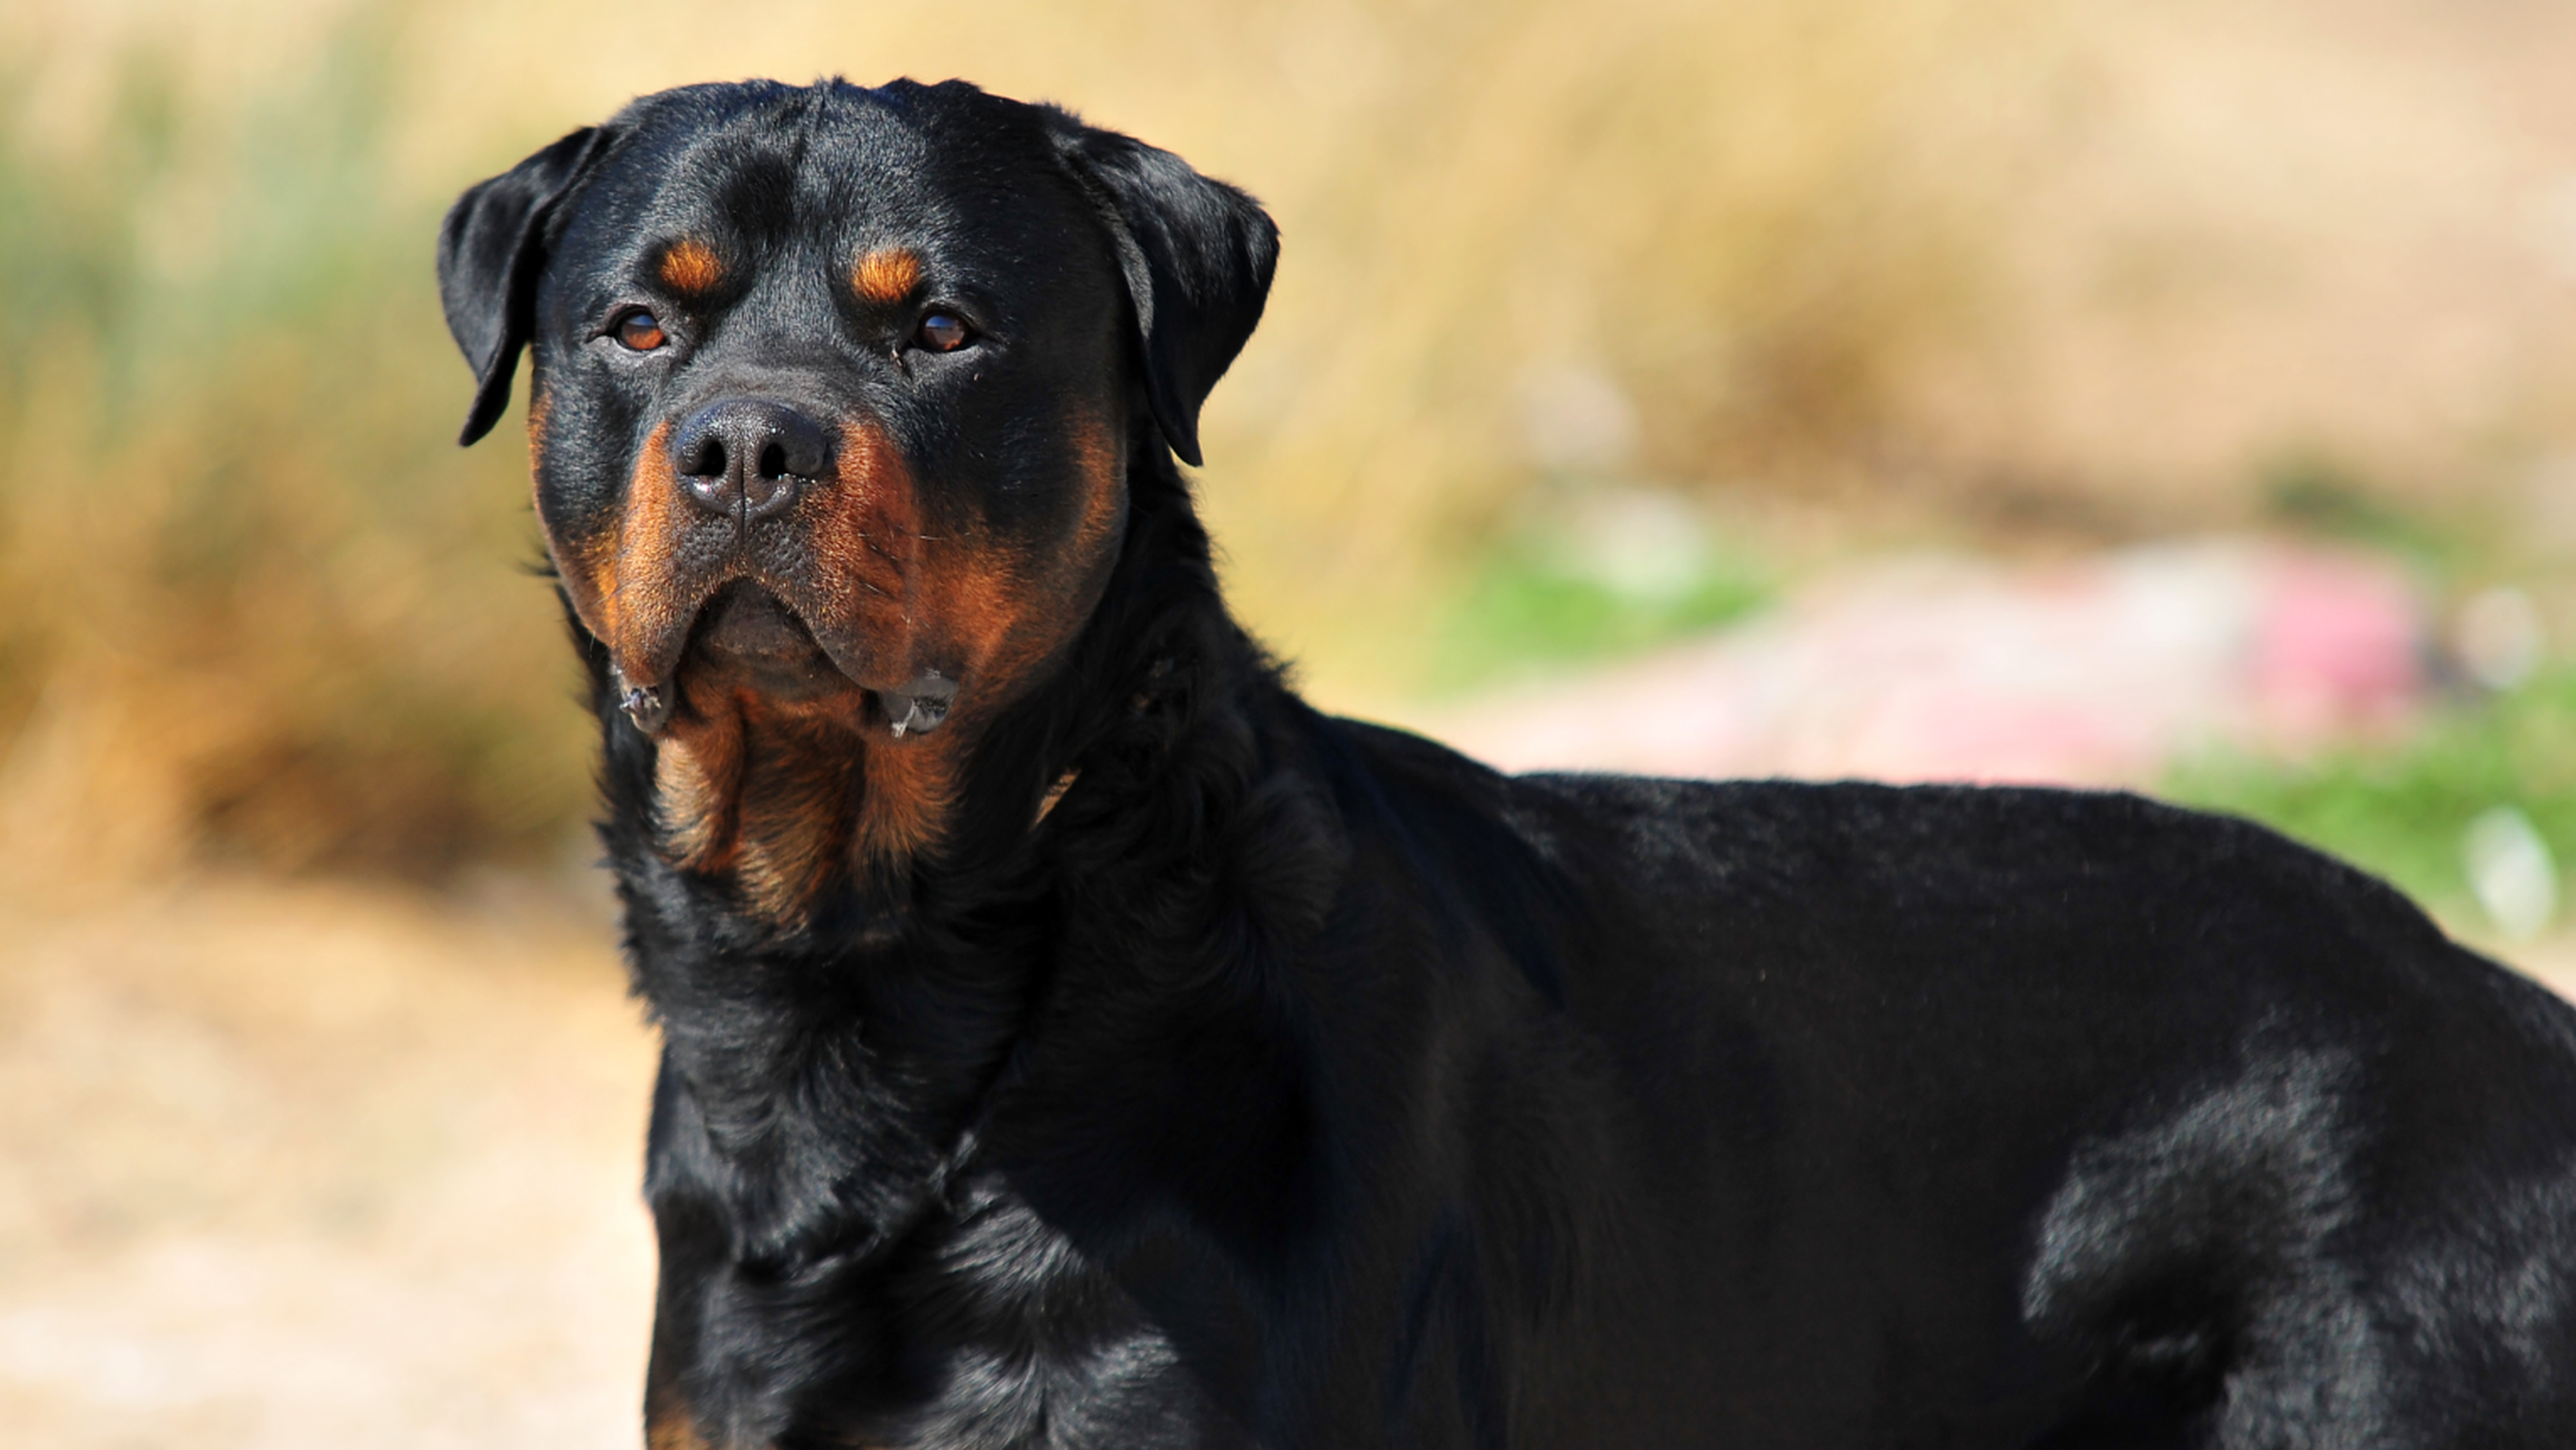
(1294, 1082)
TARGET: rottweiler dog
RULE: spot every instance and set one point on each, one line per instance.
(1071, 1038)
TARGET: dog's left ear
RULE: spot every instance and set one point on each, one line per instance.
(1198, 255)
(491, 251)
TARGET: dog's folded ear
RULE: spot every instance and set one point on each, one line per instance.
(491, 251)
(1198, 255)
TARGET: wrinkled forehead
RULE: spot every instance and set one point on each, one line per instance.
(810, 179)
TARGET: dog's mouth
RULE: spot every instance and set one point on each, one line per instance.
(746, 640)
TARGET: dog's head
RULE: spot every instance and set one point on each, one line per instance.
(833, 389)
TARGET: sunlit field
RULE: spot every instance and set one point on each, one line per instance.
(1824, 279)
(1608, 337)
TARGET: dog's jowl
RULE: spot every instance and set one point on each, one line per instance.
(1072, 1039)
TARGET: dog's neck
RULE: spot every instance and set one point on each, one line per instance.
(890, 1007)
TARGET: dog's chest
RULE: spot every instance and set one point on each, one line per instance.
(1002, 1332)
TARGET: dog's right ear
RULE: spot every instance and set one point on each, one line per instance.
(1197, 256)
(490, 253)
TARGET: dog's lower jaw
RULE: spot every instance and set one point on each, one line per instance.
(783, 801)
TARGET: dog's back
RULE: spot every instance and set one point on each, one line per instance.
(1945, 1115)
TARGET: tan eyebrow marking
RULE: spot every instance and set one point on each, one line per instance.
(887, 274)
(691, 267)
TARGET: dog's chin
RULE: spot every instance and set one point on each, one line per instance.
(746, 639)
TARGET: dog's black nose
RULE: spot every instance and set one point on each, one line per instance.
(747, 455)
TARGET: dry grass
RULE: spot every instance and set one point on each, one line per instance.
(1901, 266)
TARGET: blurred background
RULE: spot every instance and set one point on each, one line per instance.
(2180, 397)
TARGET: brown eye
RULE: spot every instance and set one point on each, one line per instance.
(945, 332)
(639, 332)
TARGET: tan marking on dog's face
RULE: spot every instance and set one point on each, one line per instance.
(945, 592)
(691, 268)
(886, 275)
(641, 600)
(1014, 608)
(865, 539)
(784, 796)
(584, 549)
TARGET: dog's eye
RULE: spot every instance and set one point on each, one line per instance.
(944, 332)
(639, 332)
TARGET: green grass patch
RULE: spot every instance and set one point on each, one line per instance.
(2401, 812)
(1523, 609)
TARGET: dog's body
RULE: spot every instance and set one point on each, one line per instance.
(1072, 1039)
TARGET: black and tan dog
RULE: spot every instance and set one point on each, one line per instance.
(1073, 1039)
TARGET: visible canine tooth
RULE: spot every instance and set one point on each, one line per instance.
(643, 704)
(646, 708)
(917, 708)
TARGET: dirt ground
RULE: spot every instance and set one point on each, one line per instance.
(319, 1166)
(294, 1166)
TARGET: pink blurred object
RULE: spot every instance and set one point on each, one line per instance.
(2096, 673)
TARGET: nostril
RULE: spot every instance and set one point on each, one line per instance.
(706, 459)
(803, 448)
(773, 462)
